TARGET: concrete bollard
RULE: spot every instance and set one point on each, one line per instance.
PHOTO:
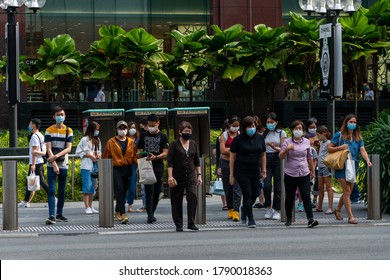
(10, 195)
(106, 182)
(374, 189)
(200, 217)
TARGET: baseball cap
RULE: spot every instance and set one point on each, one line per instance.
(121, 123)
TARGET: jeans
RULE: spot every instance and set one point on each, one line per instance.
(39, 171)
(177, 194)
(152, 193)
(355, 194)
(250, 192)
(133, 185)
(52, 180)
(303, 184)
(273, 171)
(232, 193)
(121, 184)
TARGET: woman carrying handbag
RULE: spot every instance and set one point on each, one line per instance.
(351, 139)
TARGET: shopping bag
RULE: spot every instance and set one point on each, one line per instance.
(146, 173)
(336, 160)
(216, 187)
(33, 182)
(350, 172)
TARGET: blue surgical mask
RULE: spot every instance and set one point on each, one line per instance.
(351, 126)
(29, 128)
(60, 119)
(271, 126)
(96, 133)
(251, 131)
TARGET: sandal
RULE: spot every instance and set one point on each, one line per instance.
(225, 208)
(338, 215)
(329, 212)
(352, 221)
(319, 210)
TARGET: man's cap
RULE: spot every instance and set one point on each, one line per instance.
(121, 123)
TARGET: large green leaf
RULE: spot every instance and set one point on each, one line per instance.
(44, 75)
(233, 71)
(250, 73)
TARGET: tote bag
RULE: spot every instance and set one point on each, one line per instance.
(216, 188)
(146, 173)
(336, 160)
(33, 182)
(350, 172)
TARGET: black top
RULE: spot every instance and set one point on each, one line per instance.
(248, 154)
(183, 162)
(154, 143)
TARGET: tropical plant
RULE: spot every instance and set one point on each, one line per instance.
(58, 60)
(24, 68)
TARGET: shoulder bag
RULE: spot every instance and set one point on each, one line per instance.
(337, 159)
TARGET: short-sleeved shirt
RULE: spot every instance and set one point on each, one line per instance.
(274, 137)
(296, 164)
(353, 146)
(58, 139)
(37, 140)
(248, 152)
(369, 95)
(154, 143)
(323, 153)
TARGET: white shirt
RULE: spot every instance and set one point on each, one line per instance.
(85, 147)
(37, 140)
(274, 136)
(100, 97)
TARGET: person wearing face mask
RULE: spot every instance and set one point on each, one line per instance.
(349, 137)
(298, 169)
(274, 137)
(121, 149)
(184, 173)
(368, 93)
(232, 192)
(100, 97)
(155, 143)
(247, 166)
(133, 134)
(89, 150)
(36, 151)
(58, 139)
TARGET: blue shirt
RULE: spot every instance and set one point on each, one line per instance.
(353, 146)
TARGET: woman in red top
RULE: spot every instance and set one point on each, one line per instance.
(232, 192)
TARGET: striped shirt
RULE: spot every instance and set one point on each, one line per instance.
(56, 136)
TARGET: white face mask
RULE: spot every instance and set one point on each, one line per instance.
(152, 129)
(234, 129)
(312, 130)
(132, 131)
(298, 133)
(122, 132)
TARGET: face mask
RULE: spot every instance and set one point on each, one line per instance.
(29, 128)
(234, 129)
(60, 119)
(122, 132)
(132, 131)
(96, 133)
(312, 130)
(366, 88)
(297, 133)
(271, 126)
(251, 131)
(351, 126)
(153, 129)
(186, 136)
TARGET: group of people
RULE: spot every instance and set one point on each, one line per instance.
(250, 158)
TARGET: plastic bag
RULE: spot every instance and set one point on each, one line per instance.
(146, 173)
(350, 172)
(33, 182)
(216, 187)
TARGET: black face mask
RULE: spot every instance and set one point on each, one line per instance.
(186, 136)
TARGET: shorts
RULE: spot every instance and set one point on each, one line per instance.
(87, 182)
(324, 172)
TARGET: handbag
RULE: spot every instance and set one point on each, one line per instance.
(33, 182)
(350, 172)
(146, 172)
(216, 187)
(337, 159)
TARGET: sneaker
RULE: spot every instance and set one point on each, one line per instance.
(276, 215)
(88, 211)
(23, 204)
(94, 210)
(251, 224)
(161, 196)
(193, 227)
(118, 216)
(312, 223)
(235, 216)
(300, 207)
(51, 220)
(151, 220)
(243, 215)
(141, 209)
(288, 223)
(124, 219)
(314, 203)
(269, 213)
(61, 218)
(230, 214)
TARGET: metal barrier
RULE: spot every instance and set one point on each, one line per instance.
(374, 189)
(200, 217)
(10, 196)
(106, 212)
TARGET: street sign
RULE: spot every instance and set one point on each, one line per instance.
(325, 30)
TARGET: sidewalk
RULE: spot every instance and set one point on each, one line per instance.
(31, 220)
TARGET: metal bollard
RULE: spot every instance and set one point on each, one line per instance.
(283, 216)
(200, 217)
(374, 189)
(10, 196)
(106, 213)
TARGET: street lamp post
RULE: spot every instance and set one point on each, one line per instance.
(12, 53)
(330, 52)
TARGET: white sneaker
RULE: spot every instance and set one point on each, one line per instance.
(276, 215)
(94, 210)
(269, 213)
(88, 211)
(23, 204)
